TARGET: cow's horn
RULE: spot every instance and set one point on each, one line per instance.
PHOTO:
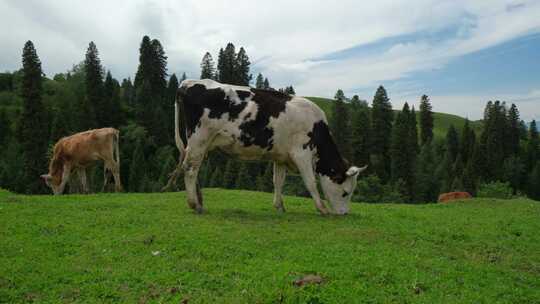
(355, 170)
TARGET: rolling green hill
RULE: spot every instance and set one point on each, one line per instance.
(442, 121)
(150, 248)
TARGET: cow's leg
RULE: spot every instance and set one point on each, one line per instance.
(280, 172)
(65, 179)
(116, 175)
(111, 166)
(195, 153)
(191, 166)
(106, 175)
(84, 182)
(304, 162)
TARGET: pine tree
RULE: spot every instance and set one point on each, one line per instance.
(413, 131)
(339, 125)
(145, 60)
(264, 181)
(452, 143)
(216, 180)
(533, 147)
(468, 141)
(208, 71)
(158, 78)
(469, 178)
(33, 126)
(478, 162)
(137, 170)
(243, 180)
(152, 103)
(493, 140)
(242, 68)
(523, 130)
(4, 127)
(109, 91)
(426, 120)
(62, 124)
(128, 92)
(172, 88)
(444, 173)
(513, 133)
(534, 183)
(403, 154)
(381, 129)
(514, 170)
(227, 65)
(458, 167)
(229, 177)
(259, 82)
(94, 89)
(266, 84)
(144, 109)
(360, 131)
(290, 90)
(426, 183)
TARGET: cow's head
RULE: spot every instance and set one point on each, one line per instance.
(53, 182)
(339, 191)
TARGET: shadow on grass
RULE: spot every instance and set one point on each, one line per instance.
(241, 215)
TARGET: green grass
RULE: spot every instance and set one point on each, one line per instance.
(99, 248)
(441, 121)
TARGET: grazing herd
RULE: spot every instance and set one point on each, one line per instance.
(246, 123)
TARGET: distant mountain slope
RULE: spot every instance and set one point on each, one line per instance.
(442, 121)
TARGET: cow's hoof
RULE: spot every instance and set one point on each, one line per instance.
(192, 204)
(199, 210)
(280, 209)
(324, 212)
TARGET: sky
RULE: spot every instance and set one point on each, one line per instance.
(460, 53)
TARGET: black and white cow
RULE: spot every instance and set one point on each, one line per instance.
(254, 124)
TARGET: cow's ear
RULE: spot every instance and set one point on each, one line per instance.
(355, 170)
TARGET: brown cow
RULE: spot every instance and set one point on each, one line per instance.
(78, 152)
(450, 196)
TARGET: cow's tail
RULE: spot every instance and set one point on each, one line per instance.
(116, 148)
(179, 142)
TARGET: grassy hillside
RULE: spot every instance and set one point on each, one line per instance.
(149, 248)
(442, 121)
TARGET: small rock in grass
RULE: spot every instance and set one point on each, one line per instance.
(308, 279)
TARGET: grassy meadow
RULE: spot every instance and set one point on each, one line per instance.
(150, 248)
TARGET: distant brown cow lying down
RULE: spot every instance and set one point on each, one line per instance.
(450, 196)
(80, 151)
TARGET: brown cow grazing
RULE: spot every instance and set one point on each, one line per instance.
(79, 151)
(450, 196)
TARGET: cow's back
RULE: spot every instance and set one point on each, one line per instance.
(246, 122)
(87, 146)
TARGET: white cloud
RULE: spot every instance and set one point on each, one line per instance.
(282, 37)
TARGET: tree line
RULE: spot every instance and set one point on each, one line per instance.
(406, 163)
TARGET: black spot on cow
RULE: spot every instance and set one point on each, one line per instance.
(257, 131)
(330, 162)
(274, 102)
(197, 98)
(243, 94)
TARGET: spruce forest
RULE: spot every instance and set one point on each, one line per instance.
(407, 162)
